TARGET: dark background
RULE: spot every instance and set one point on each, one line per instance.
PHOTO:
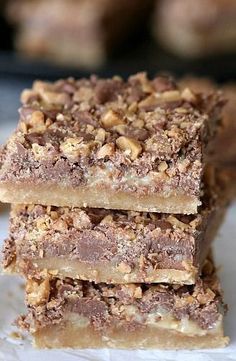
(143, 54)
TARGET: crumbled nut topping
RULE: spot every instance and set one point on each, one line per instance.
(130, 146)
(37, 293)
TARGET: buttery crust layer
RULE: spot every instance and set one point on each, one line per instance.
(142, 138)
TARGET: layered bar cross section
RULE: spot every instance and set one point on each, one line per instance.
(111, 246)
(80, 314)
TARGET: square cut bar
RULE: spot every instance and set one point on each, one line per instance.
(79, 314)
(110, 246)
(108, 143)
(75, 32)
(194, 29)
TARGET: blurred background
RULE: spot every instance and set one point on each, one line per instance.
(60, 38)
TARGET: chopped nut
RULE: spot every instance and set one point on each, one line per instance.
(101, 135)
(206, 297)
(106, 150)
(37, 119)
(23, 127)
(37, 293)
(133, 107)
(71, 147)
(43, 223)
(40, 86)
(162, 166)
(133, 290)
(171, 96)
(183, 165)
(55, 98)
(150, 101)
(107, 219)
(81, 220)
(38, 151)
(120, 129)
(177, 223)
(83, 94)
(138, 292)
(89, 128)
(188, 95)
(138, 123)
(54, 215)
(27, 95)
(60, 117)
(124, 268)
(131, 146)
(111, 118)
(60, 225)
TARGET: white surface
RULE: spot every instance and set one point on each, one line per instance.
(11, 304)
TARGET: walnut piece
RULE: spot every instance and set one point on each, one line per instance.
(106, 150)
(177, 223)
(111, 118)
(37, 294)
(71, 147)
(188, 95)
(51, 97)
(131, 146)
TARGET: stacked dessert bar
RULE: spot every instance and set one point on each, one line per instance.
(80, 33)
(113, 213)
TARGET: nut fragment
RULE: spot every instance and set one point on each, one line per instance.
(162, 166)
(177, 223)
(131, 146)
(101, 135)
(106, 151)
(124, 268)
(51, 97)
(60, 225)
(38, 151)
(37, 293)
(37, 119)
(111, 118)
(43, 223)
(107, 219)
(27, 95)
(206, 297)
(188, 95)
(83, 94)
(133, 290)
(171, 96)
(71, 147)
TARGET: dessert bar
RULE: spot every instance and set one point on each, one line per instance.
(110, 246)
(79, 33)
(79, 314)
(196, 28)
(136, 145)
